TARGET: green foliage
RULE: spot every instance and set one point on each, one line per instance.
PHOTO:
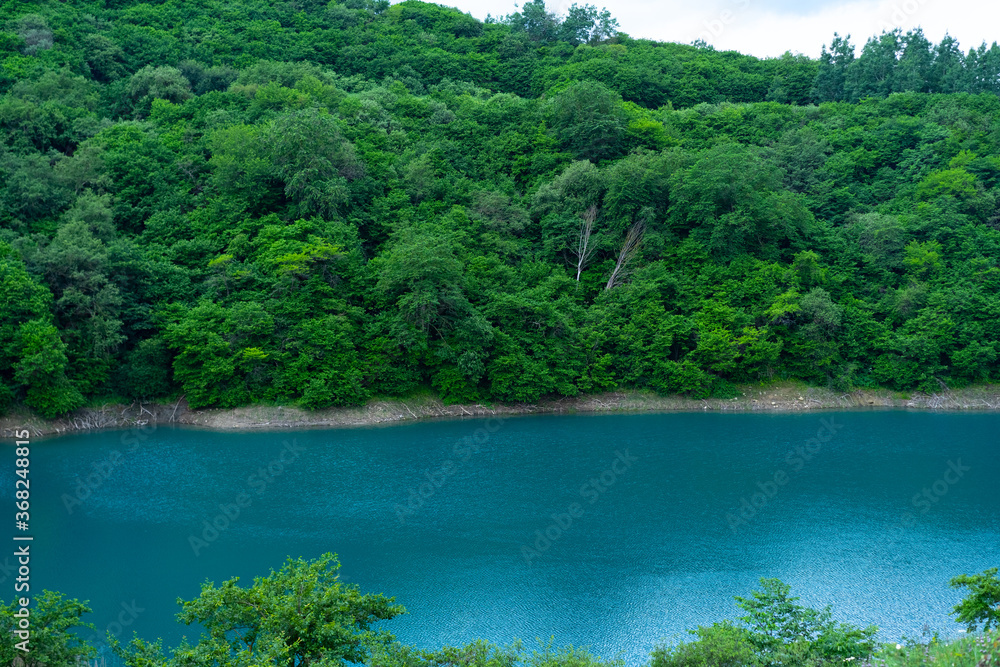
(41, 369)
(158, 83)
(982, 604)
(589, 121)
(146, 371)
(53, 619)
(969, 651)
(300, 614)
(782, 629)
(778, 632)
(922, 258)
(315, 203)
(717, 645)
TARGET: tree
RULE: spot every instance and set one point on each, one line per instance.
(874, 72)
(795, 76)
(52, 641)
(807, 269)
(833, 66)
(924, 258)
(88, 304)
(982, 604)
(297, 616)
(949, 70)
(221, 352)
(584, 24)
(36, 33)
(914, 68)
(422, 276)
(778, 632)
(776, 621)
(584, 249)
(41, 368)
(717, 645)
(310, 156)
(535, 20)
(21, 298)
(104, 58)
(589, 121)
(152, 83)
(322, 363)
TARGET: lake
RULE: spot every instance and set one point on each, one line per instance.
(612, 531)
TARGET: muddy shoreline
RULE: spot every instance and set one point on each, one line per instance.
(775, 398)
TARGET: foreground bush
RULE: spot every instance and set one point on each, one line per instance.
(481, 653)
(778, 632)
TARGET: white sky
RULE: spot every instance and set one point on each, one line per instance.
(771, 27)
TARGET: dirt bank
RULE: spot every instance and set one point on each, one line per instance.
(775, 398)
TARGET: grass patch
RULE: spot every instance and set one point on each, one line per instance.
(974, 650)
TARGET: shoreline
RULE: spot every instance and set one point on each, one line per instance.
(778, 398)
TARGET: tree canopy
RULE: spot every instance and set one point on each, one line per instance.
(319, 203)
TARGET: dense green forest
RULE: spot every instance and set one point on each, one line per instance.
(319, 202)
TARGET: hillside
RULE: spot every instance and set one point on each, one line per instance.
(316, 203)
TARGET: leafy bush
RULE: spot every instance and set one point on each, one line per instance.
(983, 602)
(718, 645)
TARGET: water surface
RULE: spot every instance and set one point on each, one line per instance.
(613, 531)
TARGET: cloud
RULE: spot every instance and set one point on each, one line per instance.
(764, 30)
(770, 27)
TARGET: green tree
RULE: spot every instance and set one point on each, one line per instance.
(981, 605)
(422, 276)
(875, 70)
(157, 83)
(717, 645)
(41, 368)
(308, 153)
(585, 24)
(535, 20)
(775, 621)
(52, 640)
(833, 65)
(589, 120)
(915, 63)
(298, 615)
(88, 303)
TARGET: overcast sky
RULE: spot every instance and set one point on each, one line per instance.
(771, 27)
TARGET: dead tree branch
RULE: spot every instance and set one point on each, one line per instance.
(583, 248)
(629, 250)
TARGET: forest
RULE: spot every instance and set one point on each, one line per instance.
(316, 203)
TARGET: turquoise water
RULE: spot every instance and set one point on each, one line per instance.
(613, 531)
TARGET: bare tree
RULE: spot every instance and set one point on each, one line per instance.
(583, 248)
(629, 249)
